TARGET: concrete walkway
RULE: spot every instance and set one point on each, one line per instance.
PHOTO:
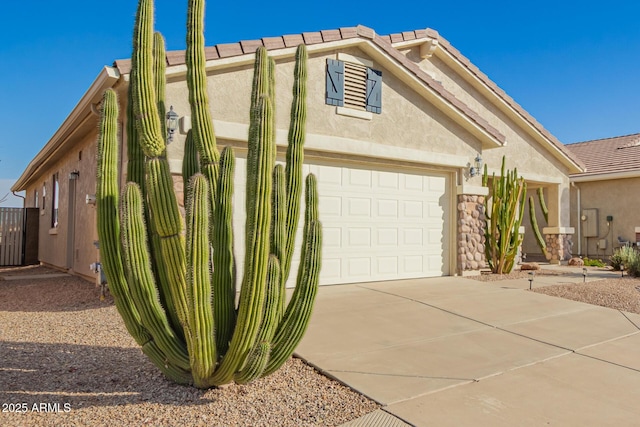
(454, 351)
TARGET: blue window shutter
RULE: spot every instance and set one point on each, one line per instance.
(335, 82)
(374, 91)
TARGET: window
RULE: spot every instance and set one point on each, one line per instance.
(54, 201)
(353, 85)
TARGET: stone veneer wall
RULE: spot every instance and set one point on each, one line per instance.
(471, 227)
(558, 247)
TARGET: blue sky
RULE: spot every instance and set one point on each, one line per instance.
(573, 65)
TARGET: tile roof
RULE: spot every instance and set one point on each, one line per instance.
(385, 42)
(608, 155)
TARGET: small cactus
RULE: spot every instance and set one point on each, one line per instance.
(176, 291)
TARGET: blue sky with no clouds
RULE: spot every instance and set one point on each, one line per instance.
(573, 65)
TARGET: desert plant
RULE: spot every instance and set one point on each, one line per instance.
(626, 256)
(176, 291)
(504, 210)
(593, 262)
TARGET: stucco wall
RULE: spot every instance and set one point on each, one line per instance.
(610, 197)
(53, 241)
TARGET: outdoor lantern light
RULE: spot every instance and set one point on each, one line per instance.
(531, 274)
(172, 123)
(476, 168)
(584, 275)
(622, 269)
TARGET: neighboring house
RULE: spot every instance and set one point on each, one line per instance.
(604, 197)
(397, 199)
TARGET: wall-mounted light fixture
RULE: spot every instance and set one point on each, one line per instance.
(476, 168)
(74, 175)
(172, 123)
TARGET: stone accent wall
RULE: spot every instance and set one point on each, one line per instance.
(471, 226)
(558, 247)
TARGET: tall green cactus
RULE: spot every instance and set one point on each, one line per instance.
(504, 210)
(176, 290)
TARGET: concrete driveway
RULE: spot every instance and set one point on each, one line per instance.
(454, 351)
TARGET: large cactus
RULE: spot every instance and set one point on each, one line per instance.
(504, 211)
(174, 290)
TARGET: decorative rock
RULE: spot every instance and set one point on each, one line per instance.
(576, 261)
(530, 266)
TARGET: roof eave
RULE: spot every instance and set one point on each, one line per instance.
(107, 78)
(604, 176)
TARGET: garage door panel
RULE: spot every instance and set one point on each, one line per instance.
(413, 182)
(412, 209)
(331, 206)
(359, 177)
(359, 267)
(359, 207)
(387, 208)
(387, 266)
(359, 237)
(387, 237)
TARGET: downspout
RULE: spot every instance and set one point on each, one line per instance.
(24, 199)
(573, 184)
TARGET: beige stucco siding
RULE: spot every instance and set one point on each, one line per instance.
(53, 241)
(610, 197)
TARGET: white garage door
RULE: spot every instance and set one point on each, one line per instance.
(379, 224)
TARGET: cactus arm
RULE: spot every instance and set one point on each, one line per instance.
(107, 218)
(258, 223)
(145, 106)
(534, 226)
(141, 281)
(298, 313)
(203, 349)
(278, 227)
(223, 278)
(135, 156)
(295, 156)
(190, 164)
(259, 355)
(202, 125)
(160, 79)
(543, 205)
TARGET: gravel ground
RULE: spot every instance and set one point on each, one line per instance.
(68, 353)
(618, 293)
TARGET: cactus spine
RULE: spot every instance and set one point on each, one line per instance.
(504, 213)
(174, 290)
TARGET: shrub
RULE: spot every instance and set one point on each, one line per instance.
(588, 262)
(628, 257)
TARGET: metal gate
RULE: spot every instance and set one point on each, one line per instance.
(11, 236)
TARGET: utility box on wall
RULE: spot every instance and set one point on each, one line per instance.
(589, 221)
